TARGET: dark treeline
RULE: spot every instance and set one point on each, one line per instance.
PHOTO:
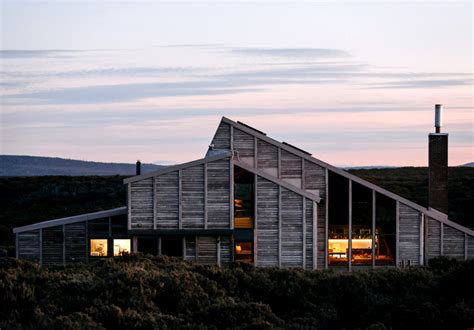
(145, 293)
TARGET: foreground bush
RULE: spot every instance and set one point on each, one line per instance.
(168, 293)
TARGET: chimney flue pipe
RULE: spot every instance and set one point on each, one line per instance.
(438, 117)
(138, 168)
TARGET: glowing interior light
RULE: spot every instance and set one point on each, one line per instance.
(238, 248)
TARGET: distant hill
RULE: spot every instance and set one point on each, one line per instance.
(40, 166)
(468, 164)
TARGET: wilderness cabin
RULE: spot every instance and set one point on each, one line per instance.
(257, 200)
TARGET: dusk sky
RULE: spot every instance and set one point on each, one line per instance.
(353, 83)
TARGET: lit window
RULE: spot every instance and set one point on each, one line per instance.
(98, 247)
(121, 246)
(244, 251)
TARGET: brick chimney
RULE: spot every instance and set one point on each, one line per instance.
(438, 165)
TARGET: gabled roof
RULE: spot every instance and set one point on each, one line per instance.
(434, 214)
(76, 218)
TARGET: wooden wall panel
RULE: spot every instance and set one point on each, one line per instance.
(29, 245)
(190, 253)
(244, 146)
(453, 243)
(409, 235)
(267, 223)
(292, 229)
(218, 194)
(52, 245)
(309, 234)
(291, 168)
(470, 247)
(315, 178)
(76, 242)
(119, 225)
(226, 250)
(167, 201)
(432, 238)
(221, 139)
(192, 185)
(207, 249)
(141, 204)
(267, 157)
(321, 235)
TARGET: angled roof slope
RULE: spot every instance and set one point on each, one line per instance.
(434, 214)
(76, 218)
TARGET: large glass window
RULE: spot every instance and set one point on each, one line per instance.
(98, 247)
(385, 230)
(361, 225)
(121, 246)
(338, 221)
(243, 198)
(244, 251)
(172, 246)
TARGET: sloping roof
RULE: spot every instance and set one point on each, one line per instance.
(76, 218)
(168, 169)
(434, 214)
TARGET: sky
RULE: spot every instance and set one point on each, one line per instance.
(354, 83)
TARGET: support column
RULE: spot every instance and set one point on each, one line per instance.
(422, 238)
(350, 226)
(279, 226)
(304, 232)
(315, 235)
(397, 234)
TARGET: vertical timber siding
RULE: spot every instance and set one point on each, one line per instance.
(141, 204)
(470, 247)
(314, 178)
(409, 234)
(167, 201)
(291, 168)
(52, 251)
(207, 249)
(221, 139)
(432, 238)
(267, 157)
(76, 242)
(292, 229)
(29, 245)
(190, 252)
(267, 217)
(218, 194)
(192, 195)
(309, 234)
(453, 243)
(226, 250)
(244, 147)
(321, 232)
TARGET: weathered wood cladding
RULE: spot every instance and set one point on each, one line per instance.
(453, 243)
(218, 194)
(432, 238)
(291, 168)
(308, 243)
(267, 217)
(76, 242)
(267, 157)
(141, 204)
(314, 178)
(52, 247)
(244, 146)
(167, 201)
(470, 247)
(321, 236)
(29, 245)
(192, 195)
(225, 250)
(409, 235)
(221, 139)
(99, 227)
(292, 229)
(207, 249)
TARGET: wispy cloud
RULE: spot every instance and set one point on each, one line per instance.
(294, 53)
(432, 83)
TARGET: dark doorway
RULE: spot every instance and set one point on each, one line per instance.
(172, 247)
(148, 246)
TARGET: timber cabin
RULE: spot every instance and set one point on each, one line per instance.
(254, 199)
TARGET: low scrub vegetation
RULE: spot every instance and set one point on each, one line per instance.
(160, 292)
